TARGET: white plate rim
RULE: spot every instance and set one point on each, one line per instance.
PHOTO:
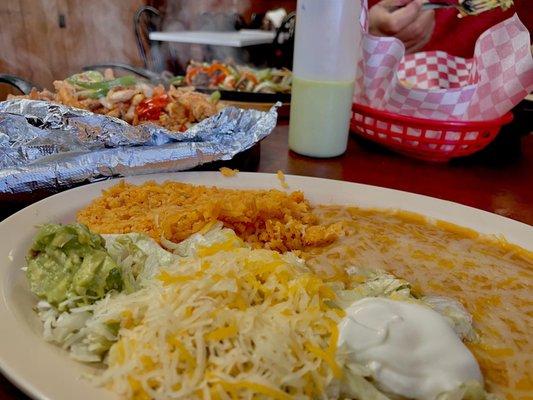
(321, 190)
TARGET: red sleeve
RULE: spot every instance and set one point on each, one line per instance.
(458, 36)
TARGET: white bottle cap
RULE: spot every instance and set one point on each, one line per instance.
(327, 39)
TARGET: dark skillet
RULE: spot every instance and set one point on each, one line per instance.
(248, 97)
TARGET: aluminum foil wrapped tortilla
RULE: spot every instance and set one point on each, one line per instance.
(47, 146)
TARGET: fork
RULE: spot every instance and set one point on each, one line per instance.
(467, 7)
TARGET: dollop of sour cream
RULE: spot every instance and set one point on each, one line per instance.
(411, 350)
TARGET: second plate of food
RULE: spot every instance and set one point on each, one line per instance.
(164, 286)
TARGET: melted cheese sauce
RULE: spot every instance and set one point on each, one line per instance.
(494, 281)
(411, 350)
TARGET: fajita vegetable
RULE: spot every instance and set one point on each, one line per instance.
(132, 100)
(218, 75)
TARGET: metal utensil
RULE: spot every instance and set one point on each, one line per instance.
(467, 7)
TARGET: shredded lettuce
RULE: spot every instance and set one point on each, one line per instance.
(454, 312)
(377, 284)
(77, 322)
(138, 256)
(187, 248)
(471, 390)
(356, 384)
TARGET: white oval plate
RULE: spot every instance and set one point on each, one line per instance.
(44, 371)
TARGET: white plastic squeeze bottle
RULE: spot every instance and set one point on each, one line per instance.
(325, 57)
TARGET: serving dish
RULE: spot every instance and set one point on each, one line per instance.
(252, 100)
(422, 138)
(45, 372)
(238, 96)
(249, 97)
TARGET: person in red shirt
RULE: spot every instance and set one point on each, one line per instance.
(425, 30)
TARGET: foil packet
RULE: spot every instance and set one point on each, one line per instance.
(48, 146)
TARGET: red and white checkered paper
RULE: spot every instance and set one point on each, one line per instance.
(435, 70)
(440, 86)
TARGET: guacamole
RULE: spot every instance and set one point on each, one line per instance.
(69, 261)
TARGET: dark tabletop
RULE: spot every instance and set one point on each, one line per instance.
(499, 179)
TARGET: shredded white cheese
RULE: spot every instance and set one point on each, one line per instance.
(227, 323)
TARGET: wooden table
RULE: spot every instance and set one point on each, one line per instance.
(499, 180)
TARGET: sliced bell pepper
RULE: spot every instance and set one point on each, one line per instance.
(87, 76)
(151, 109)
(215, 97)
(217, 79)
(99, 88)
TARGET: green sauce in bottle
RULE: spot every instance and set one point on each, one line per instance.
(320, 117)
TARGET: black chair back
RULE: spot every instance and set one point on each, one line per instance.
(148, 19)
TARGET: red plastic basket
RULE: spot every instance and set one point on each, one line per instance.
(422, 138)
